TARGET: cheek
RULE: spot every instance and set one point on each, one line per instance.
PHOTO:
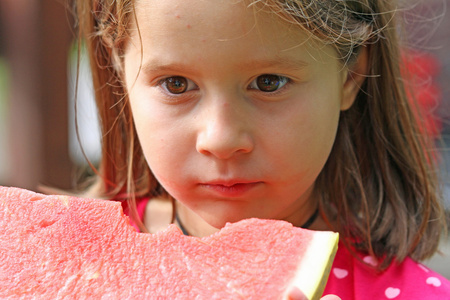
(166, 144)
(309, 134)
(161, 153)
(150, 130)
(158, 141)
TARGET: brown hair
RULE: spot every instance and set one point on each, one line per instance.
(379, 185)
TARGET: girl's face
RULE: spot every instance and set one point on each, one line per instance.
(236, 109)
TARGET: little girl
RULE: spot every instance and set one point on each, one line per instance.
(216, 111)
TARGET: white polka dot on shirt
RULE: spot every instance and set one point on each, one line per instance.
(434, 281)
(392, 293)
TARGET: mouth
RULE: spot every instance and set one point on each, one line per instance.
(231, 188)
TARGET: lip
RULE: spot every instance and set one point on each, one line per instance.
(231, 188)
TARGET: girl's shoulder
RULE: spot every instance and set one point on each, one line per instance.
(353, 279)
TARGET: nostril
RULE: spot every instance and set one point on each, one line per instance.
(224, 147)
(225, 129)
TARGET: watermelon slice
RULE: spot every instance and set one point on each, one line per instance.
(54, 247)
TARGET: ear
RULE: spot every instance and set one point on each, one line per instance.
(354, 78)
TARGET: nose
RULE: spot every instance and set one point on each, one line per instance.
(225, 131)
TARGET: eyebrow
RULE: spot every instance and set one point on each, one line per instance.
(283, 63)
(156, 67)
(290, 64)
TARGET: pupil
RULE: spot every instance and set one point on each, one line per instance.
(176, 85)
(268, 83)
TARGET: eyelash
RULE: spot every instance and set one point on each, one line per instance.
(190, 85)
(283, 81)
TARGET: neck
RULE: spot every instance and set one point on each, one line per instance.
(311, 219)
(199, 228)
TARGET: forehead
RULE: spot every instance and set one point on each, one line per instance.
(208, 33)
(217, 21)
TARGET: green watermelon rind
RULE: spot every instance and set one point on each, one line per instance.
(315, 265)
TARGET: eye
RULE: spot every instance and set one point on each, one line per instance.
(177, 84)
(269, 82)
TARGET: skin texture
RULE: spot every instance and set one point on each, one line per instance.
(224, 149)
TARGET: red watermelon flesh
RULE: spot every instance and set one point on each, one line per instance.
(55, 247)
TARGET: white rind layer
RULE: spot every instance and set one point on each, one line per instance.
(314, 267)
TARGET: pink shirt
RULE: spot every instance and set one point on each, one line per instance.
(351, 279)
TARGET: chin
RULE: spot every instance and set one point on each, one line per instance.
(220, 222)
